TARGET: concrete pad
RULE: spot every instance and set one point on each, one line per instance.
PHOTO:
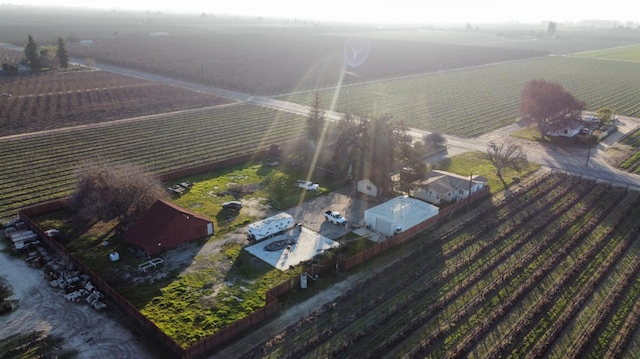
(306, 245)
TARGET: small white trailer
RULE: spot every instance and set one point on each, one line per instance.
(270, 226)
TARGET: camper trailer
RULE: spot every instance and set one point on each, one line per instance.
(270, 226)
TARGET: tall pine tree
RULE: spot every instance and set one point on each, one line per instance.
(32, 55)
(63, 56)
(316, 120)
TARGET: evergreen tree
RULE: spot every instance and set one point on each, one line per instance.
(63, 56)
(32, 55)
(316, 120)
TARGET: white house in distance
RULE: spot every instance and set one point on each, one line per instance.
(367, 187)
(445, 186)
(398, 215)
(569, 130)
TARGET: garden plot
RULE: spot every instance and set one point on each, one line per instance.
(291, 248)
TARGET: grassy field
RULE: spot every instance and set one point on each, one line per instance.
(476, 163)
(626, 53)
(474, 101)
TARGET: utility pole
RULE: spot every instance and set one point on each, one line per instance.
(589, 150)
(470, 184)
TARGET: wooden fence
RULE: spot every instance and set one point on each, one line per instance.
(271, 308)
(147, 326)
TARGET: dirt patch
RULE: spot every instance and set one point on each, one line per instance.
(615, 155)
(41, 308)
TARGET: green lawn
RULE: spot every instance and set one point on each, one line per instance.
(475, 163)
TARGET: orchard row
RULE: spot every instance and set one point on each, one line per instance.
(470, 102)
(554, 270)
(43, 167)
(63, 99)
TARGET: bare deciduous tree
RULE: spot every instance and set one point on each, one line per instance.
(106, 191)
(506, 155)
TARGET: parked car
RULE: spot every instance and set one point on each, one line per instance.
(308, 185)
(233, 205)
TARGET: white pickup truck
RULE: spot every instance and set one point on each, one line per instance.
(308, 185)
(335, 218)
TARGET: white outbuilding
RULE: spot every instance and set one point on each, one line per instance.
(398, 214)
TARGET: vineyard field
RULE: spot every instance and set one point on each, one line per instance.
(278, 61)
(626, 53)
(470, 102)
(552, 271)
(59, 99)
(276, 56)
(632, 162)
(40, 168)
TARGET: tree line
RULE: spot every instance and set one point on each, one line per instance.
(375, 148)
(356, 147)
(40, 57)
(359, 147)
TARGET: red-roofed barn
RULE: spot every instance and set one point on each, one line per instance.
(165, 226)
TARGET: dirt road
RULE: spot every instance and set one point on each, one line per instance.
(40, 307)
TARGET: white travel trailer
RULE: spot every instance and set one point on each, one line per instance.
(270, 226)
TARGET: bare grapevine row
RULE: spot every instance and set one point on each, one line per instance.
(42, 167)
(456, 284)
(470, 102)
(569, 253)
(54, 100)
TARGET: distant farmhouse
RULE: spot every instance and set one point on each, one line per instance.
(569, 130)
(574, 128)
(441, 186)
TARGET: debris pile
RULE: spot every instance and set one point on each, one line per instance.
(60, 273)
(21, 237)
(63, 274)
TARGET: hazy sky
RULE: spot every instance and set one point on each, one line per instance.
(407, 11)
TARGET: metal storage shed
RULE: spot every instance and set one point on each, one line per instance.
(398, 215)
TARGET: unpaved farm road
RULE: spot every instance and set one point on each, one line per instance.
(40, 307)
